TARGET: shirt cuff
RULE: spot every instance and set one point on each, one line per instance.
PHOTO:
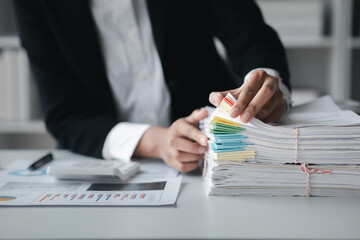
(283, 88)
(122, 140)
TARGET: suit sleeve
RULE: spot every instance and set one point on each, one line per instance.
(72, 115)
(249, 41)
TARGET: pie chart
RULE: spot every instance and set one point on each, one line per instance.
(6, 198)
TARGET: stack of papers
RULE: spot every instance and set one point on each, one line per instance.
(310, 152)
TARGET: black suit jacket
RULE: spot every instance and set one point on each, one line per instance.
(63, 47)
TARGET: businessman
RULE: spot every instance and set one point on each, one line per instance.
(119, 79)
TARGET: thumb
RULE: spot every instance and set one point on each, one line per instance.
(197, 115)
(215, 98)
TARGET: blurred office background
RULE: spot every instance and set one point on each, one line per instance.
(322, 39)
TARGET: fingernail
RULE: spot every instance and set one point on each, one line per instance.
(234, 112)
(245, 117)
(201, 149)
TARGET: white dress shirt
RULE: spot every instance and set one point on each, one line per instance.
(134, 72)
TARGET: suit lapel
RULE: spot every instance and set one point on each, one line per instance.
(75, 31)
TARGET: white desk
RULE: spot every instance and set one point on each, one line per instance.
(194, 216)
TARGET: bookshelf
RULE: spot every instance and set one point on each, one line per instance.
(22, 126)
(324, 59)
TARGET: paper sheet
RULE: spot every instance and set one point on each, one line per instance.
(336, 118)
(158, 184)
(322, 111)
(321, 104)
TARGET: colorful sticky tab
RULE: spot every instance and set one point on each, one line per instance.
(227, 103)
(226, 141)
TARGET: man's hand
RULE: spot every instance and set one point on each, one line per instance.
(184, 144)
(181, 145)
(259, 96)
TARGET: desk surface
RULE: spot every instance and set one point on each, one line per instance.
(195, 215)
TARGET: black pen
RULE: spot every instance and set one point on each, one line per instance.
(41, 162)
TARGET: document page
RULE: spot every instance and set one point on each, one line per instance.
(20, 187)
(322, 111)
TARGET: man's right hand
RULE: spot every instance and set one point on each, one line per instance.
(181, 145)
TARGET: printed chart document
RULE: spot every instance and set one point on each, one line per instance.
(151, 187)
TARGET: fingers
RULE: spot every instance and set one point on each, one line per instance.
(267, 109)
(185, 167)
(183, 128)
(183, 161)
(259, 96)
(184, 154)
(185, 145)
(185, 157)
(262, 97)
(277, 113)
(248, 92)
(197, 115)
(215, 98)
